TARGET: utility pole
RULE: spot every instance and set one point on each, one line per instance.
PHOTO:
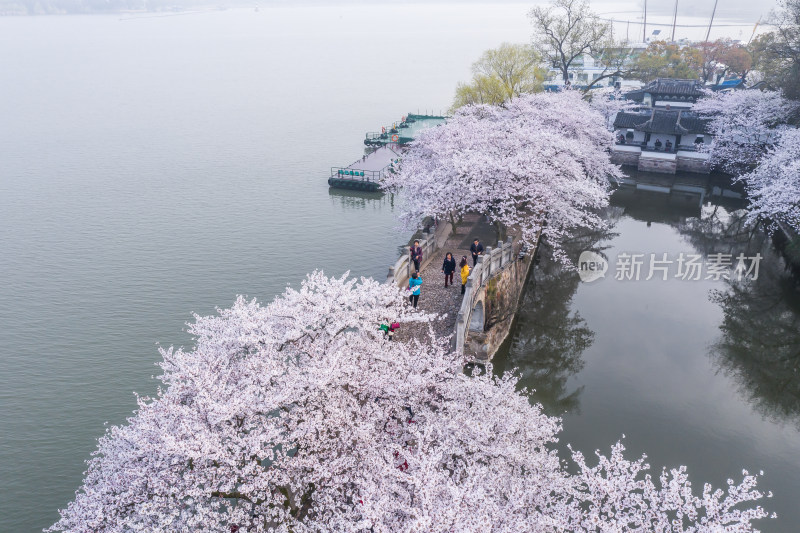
(674, 20)
(754, 31)
(627, 29)
(644, 26)
(710, 22)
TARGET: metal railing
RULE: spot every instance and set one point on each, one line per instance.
(372, 135)
(673, 149)
(356, 175)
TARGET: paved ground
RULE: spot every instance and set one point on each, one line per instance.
(434, 297)
(377, 160)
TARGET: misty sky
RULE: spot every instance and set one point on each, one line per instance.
(691, 12)
(733, 10)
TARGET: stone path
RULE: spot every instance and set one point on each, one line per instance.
(434, 298)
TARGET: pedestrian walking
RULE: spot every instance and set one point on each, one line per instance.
(476, 249)
(415, 286)
(416, 255)
(464, 273)
(448, 268)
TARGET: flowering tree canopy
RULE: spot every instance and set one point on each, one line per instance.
(744, 125)
(774, 185)
(299, 416)
(541, 162)
(608, 101)
(753, 141)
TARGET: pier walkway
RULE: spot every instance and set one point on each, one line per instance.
(367, 172)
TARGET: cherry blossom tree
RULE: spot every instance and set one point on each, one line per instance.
(753, 141)
(540, 163)
(608, 101)
(300, 416)
(744, 125)
(774, 184)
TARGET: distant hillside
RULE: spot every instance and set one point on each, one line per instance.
(66, 7)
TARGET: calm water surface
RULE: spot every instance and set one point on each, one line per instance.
(702, 373)
(156, 167)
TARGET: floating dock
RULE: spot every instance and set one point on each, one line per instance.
(403, 132)
(367, 173)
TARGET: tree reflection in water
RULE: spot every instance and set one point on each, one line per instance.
(760, 342)
(759, 346)
(549, 338)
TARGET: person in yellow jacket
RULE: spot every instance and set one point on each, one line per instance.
(464, 273)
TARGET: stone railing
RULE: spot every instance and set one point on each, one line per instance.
(430, 242)
(491, 263)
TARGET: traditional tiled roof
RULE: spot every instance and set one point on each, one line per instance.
(666, 88)
(662, 121)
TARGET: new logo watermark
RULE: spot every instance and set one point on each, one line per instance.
(693, 267)
(591, 266)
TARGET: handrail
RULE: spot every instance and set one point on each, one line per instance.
(674, 149)
(346, 173)
(489, 265)
(431, 241)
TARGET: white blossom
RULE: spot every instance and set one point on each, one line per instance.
(540, 162)
(300, 416)
(608, 101)
(744, 124)
(774, 184)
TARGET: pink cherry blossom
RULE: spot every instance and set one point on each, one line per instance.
(301, 416)
(744, 124)
(539, 163)
(774, 184)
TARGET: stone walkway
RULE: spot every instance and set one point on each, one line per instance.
(434, 298)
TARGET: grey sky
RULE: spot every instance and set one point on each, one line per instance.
(626, 13)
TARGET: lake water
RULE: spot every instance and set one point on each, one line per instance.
(701, 373)
(154, 167)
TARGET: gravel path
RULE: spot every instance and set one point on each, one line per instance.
(434, 297)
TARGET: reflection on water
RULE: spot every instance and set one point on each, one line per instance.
(349, 200)
(550, 337)
(703, 373)
(674, 198)
(759, 345)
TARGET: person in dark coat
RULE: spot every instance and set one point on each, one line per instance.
(476, 249)
(416, 255)
(448, 268)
